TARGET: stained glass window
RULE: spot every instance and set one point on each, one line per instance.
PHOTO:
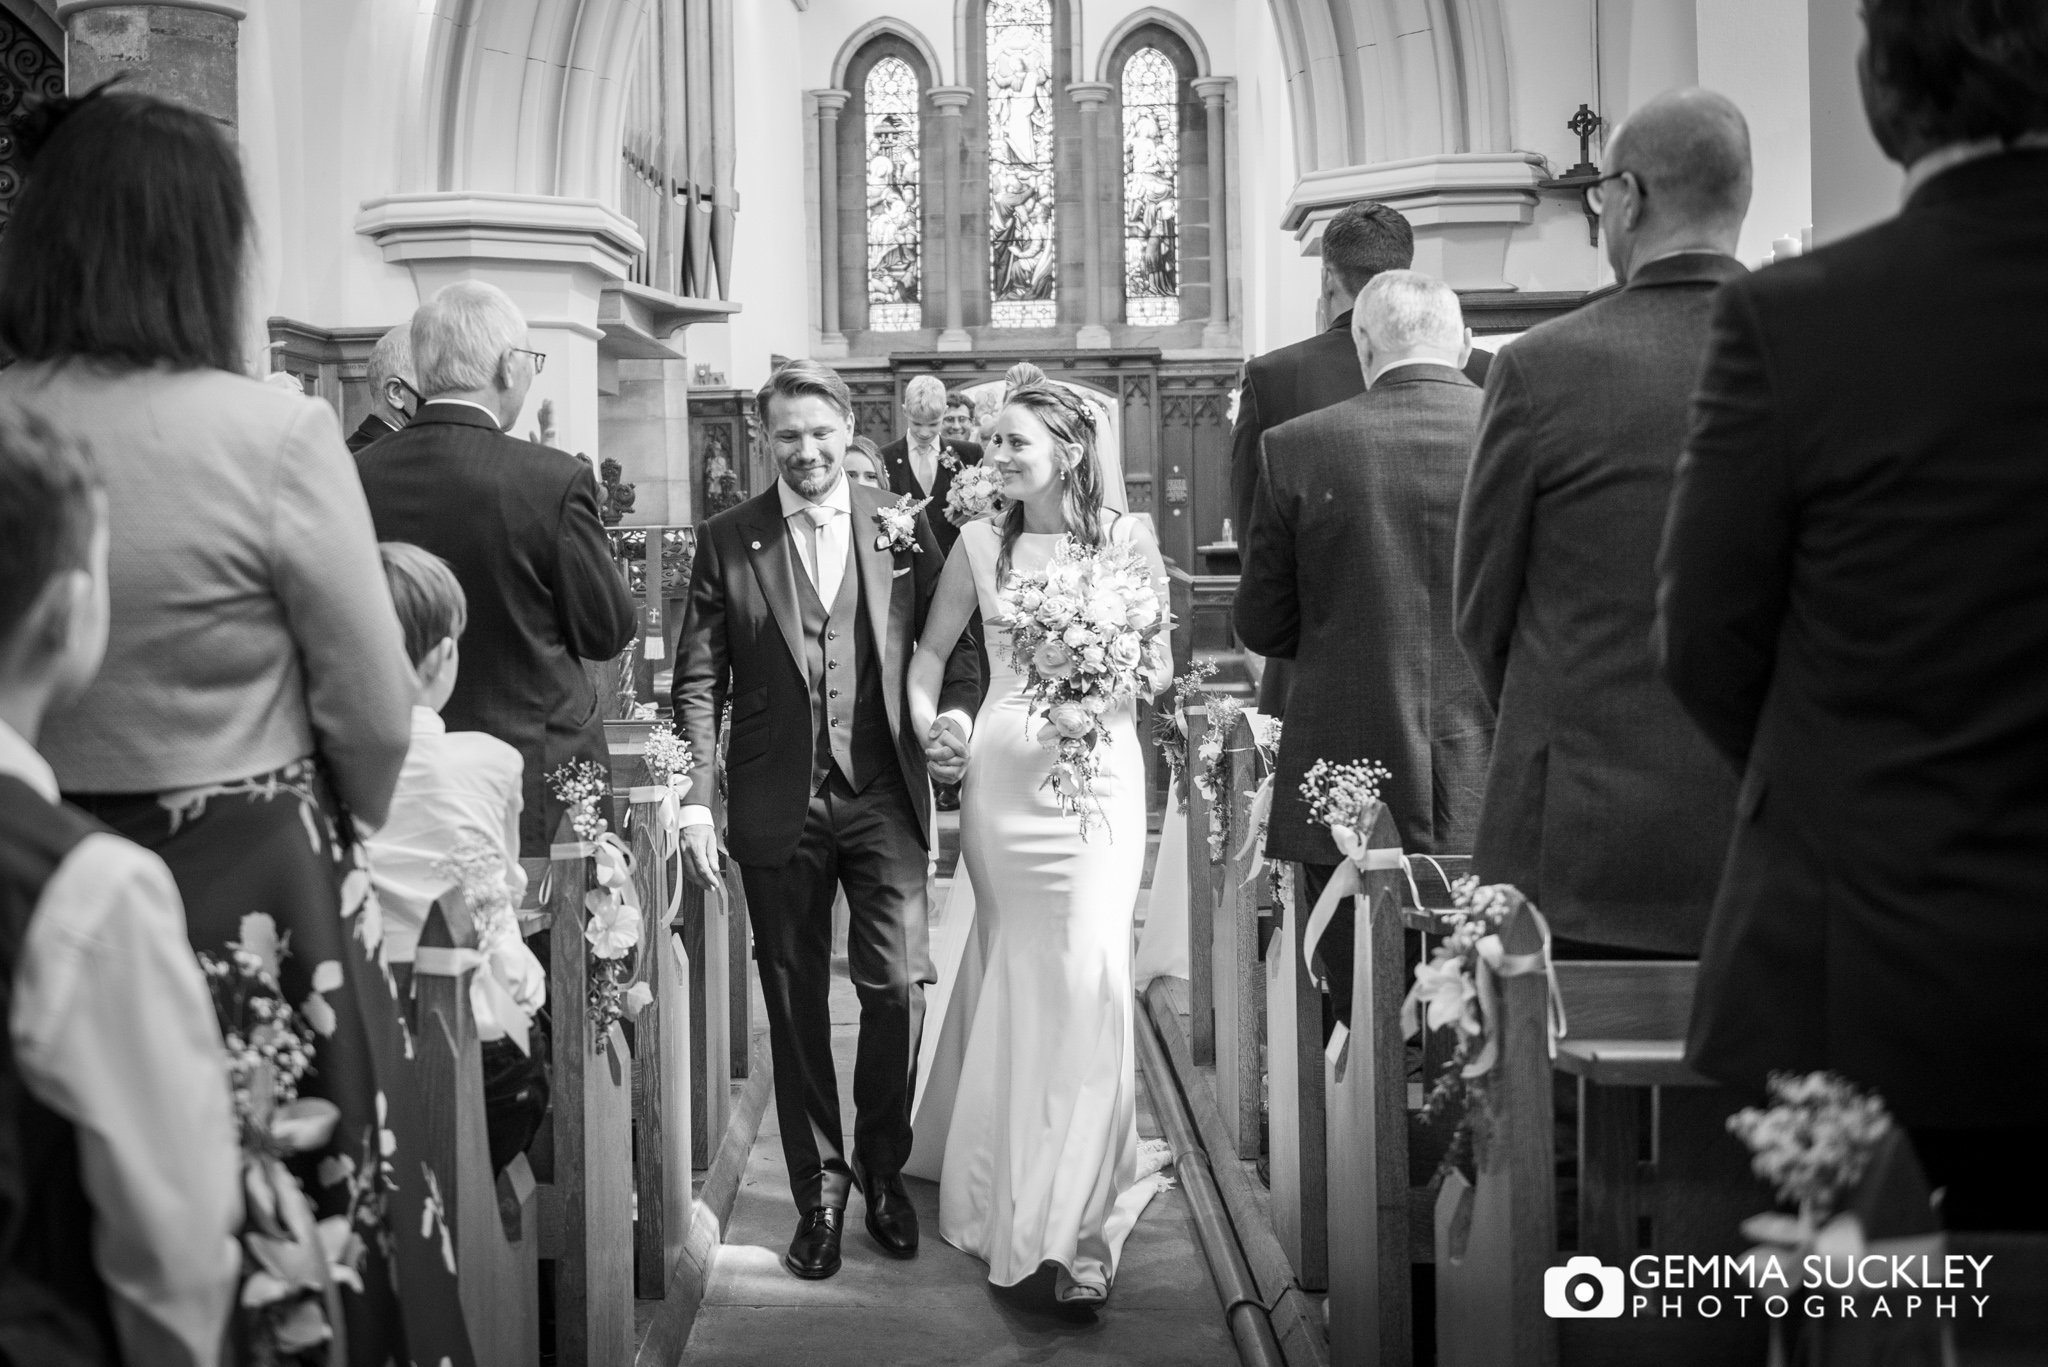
(1151, 188)
(895, 225)
(1022, 247)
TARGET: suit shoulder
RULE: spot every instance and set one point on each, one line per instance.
(728, 523)
(1281, 360)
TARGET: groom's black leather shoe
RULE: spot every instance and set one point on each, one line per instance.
(891, 1219)
(814, 1252)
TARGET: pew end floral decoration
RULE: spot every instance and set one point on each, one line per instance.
(975, 493)
(1212, 772)
(292, 1264)
(511, 986)
(1080, 631)
(611, 904)
(1447, 995)
(1170, 726)
(898, 522)
(1813, 1145)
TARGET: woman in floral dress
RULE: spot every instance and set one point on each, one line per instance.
(256, 689)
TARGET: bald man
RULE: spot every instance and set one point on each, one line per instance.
(1604, 802)
(393, 397)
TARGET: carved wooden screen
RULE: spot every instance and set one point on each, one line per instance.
(28, 71)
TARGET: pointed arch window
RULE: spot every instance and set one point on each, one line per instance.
(1151, 209)
(1023, 245)
(895, 205)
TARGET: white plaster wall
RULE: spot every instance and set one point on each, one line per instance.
(1550, 74)
(1646, 48)
(774, 256)
(1280, 284)
(1754, 52)
(1854, 185)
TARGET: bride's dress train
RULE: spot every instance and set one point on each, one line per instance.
(1027, 1104)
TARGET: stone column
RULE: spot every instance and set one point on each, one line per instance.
(949, 100)
(831, 341)
(181, 50)
(1090, 95)
(1215, 93)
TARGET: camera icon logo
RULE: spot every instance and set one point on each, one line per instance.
(1583, 1289)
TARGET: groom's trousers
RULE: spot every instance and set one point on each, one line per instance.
(867, 842)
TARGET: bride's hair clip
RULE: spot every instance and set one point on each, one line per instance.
(37, 123)
(1049, 395)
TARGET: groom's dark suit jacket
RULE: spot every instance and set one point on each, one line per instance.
(743, 640)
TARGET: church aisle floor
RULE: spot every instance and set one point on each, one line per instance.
(938, 1308)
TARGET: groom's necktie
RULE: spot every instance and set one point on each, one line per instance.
(825, 549)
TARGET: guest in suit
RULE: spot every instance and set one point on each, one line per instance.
(1349, 576)
(251, 709)
(958, 424)
(921, 462)
(394, 398)
(120, 1167)
(1852, 584)
(1359, 243)
(519, 524)
(798, 609)
(1604, 802)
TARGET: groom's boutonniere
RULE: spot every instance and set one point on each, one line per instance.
(899, 524)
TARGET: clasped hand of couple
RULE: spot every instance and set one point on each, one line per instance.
(945, 756)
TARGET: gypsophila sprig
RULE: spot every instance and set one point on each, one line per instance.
(1344, 795)
(580, 787)
(666, 755)
(1079, 632)
(1814, 1144)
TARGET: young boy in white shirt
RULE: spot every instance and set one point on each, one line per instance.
(458, 802)
(120, 1175)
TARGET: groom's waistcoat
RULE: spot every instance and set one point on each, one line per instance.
(845, 675)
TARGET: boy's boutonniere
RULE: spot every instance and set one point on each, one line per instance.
(899, 524)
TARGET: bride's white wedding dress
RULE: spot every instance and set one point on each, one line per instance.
(1027, 1109)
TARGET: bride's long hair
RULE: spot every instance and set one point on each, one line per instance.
(1069, 423)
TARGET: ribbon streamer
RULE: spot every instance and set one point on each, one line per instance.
(1347, 881)
(1496, 963)
(1257, 817)
(667, 801)
(498, 1013)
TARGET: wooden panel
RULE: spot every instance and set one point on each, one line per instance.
(499, 1281)
(740, 945)
(1206, 893)
(592, 1167)
(703, 919)
(661, 1062)
(1237, 974)
(1629, 1062)
(1367, 1088)
(1296, 1102)
(1623, 1000)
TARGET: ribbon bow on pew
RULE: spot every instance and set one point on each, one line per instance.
(667, 801)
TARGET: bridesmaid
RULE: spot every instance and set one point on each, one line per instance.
(254, 701)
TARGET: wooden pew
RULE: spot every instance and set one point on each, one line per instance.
(1205, 887)
(661, 1065)
(1297, 1126)
(705, 920)
(1367, 1095)
(1237, 976)
(586, 1214)
(499, 1277)
(1658, 1172)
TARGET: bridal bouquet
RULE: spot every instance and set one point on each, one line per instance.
(1079, 630)
(975, 493)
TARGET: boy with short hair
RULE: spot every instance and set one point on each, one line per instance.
(120, 1176)
(457, 808)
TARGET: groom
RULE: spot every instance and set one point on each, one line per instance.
(804, 610)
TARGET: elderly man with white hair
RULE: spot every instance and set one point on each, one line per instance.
(921, 462)
(394, 393)
(519, 524)
(1348, 574)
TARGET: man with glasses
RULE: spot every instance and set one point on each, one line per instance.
(519, 524)
(393, 396)
(1604, 802)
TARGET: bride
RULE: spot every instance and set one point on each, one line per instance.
(1040, 1155)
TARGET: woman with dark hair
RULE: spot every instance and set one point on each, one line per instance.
(1029, 1116)
(864, 464)
(254, 701)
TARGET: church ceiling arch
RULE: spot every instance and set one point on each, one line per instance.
(1384, 80)
(552, 72)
